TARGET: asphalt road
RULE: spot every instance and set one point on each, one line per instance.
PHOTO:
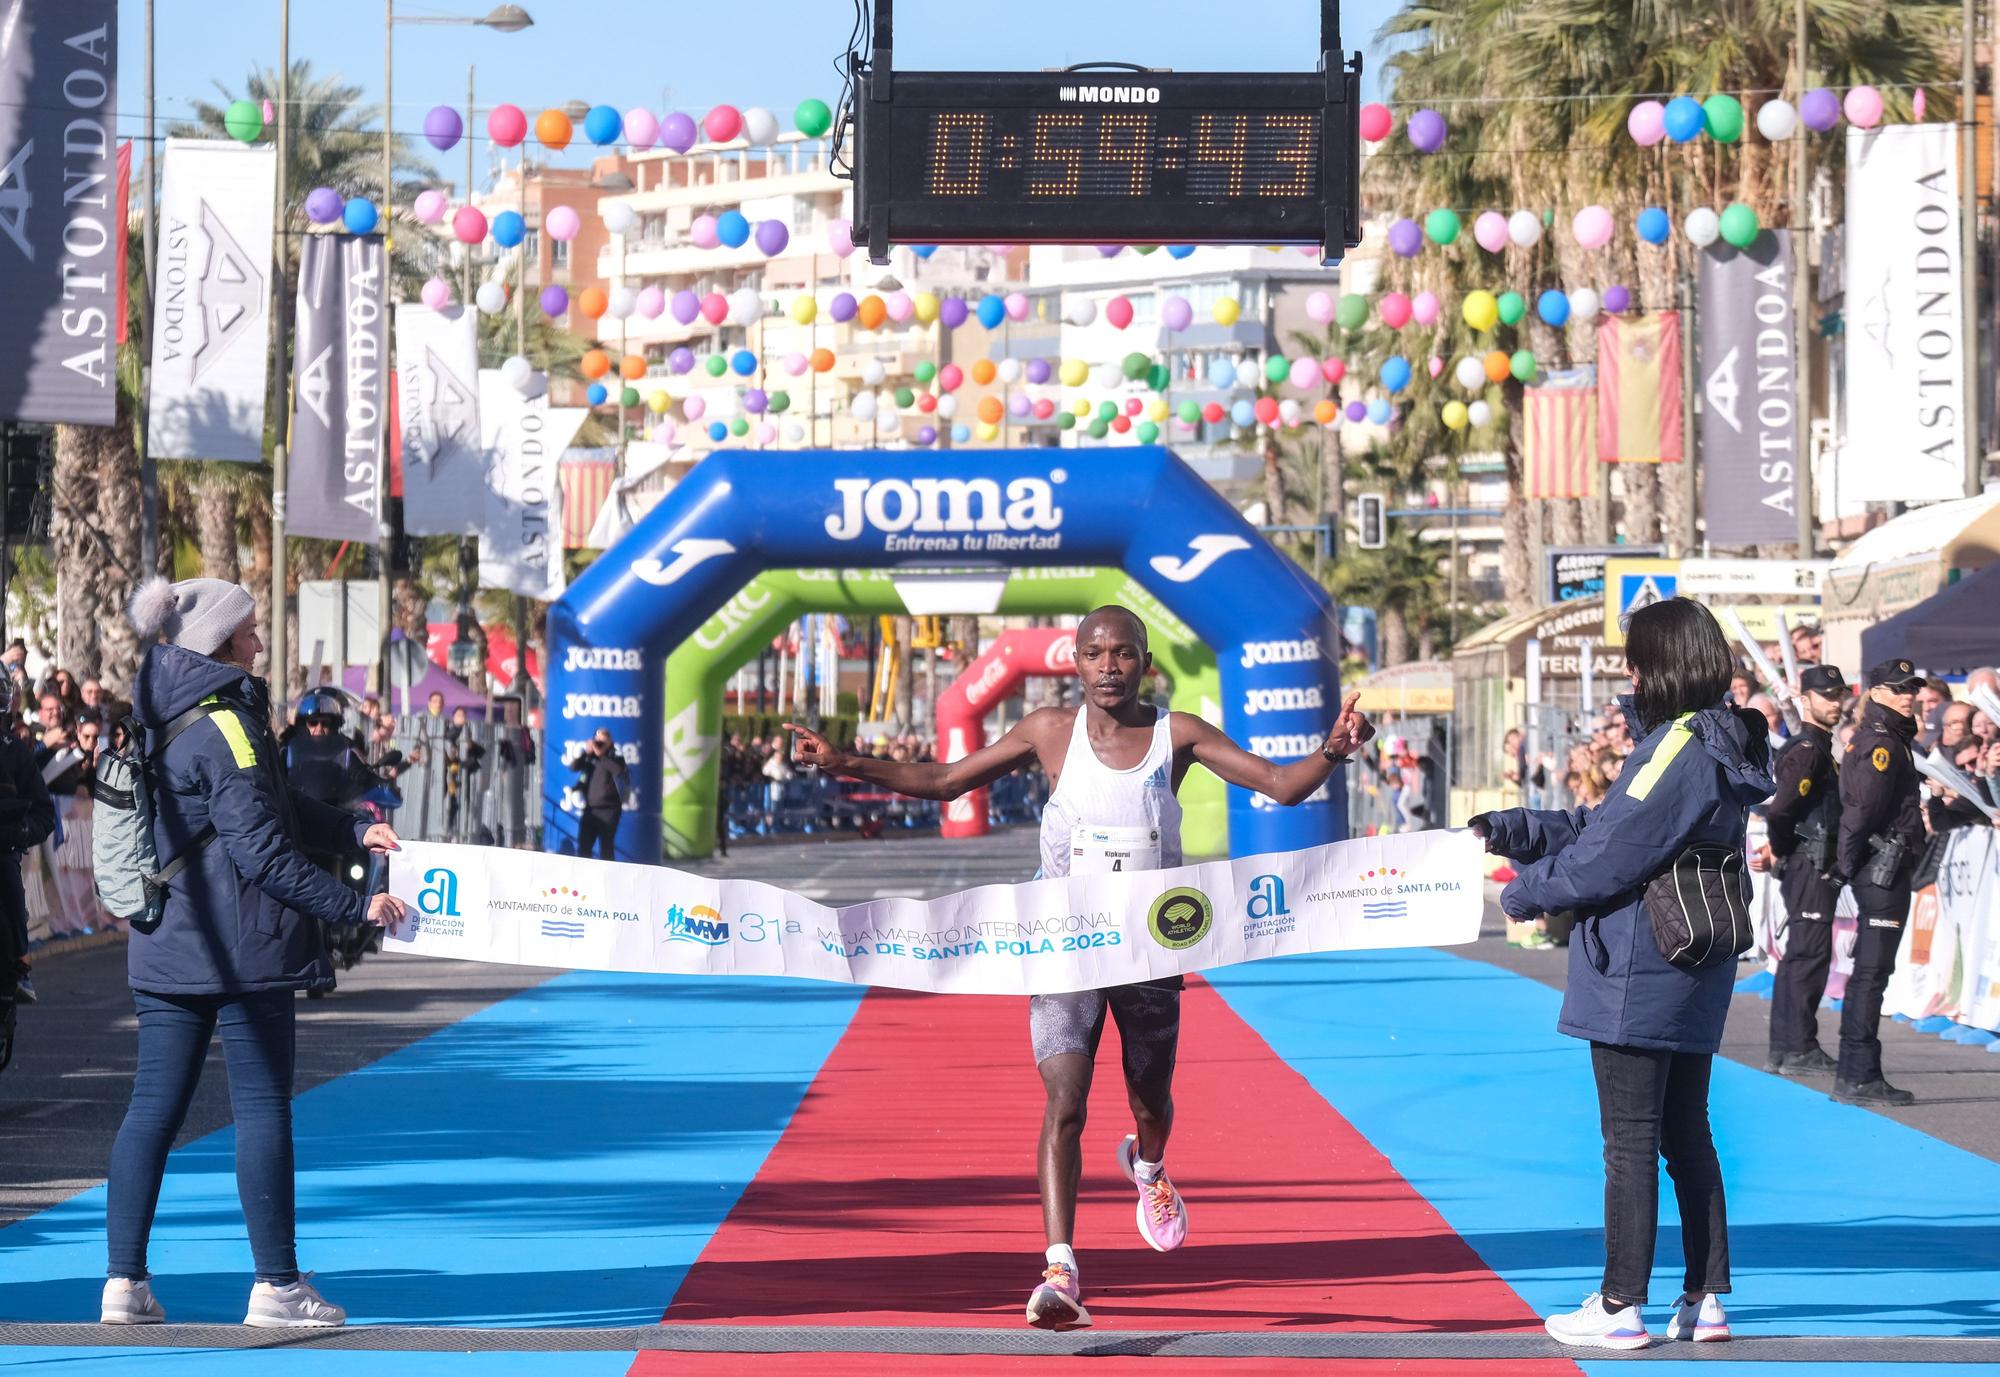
(61, 1101)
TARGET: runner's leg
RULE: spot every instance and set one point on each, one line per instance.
(1149, 1029)
(1066, 1077)
(1065, 1029)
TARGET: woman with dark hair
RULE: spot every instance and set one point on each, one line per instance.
(1653, 1027)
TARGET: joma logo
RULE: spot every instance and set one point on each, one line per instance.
(892, 505)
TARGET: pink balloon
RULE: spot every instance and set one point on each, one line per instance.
(1319, 308)
(1647, 124)
(693, 407)
(1424, 308)
(766, 433)
(1437, 365)
(1489, 231)
(1592, 227)
(715, 308)
(469, 225)
(506, 125)
(899, 306)
(1305, 372)
(652, 302)
(701, 232)
(1376, 122)
(642, 129)
(840, 237)
(1394, 310)
(1863, 107)
(1118, 311)
(1017, 306)
(722, 124)
(1333, 370)
(429, 207)
(437, 294)
(562, 223)
(950, 377)
(796, 363)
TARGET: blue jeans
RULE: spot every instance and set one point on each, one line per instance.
(257, 1043)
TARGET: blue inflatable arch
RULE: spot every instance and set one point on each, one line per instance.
(1273, 630)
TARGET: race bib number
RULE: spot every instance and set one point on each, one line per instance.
(1105, 850)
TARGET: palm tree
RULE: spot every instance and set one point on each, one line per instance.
(1400, 581)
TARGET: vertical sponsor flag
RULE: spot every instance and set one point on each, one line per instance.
(60, 226)
(339, 388)
(1749, 392)
(1559, 438)
(520, 548)
(212, 301)
(1639, 388)
(122, 216)
(1905, 317)
(437, 392)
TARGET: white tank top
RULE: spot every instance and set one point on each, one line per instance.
(1102, 819)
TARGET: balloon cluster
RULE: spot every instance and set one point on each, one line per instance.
(1685, 119)
(1426, 129)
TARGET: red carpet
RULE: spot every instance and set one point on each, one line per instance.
(654, 1364)
(903, 1193)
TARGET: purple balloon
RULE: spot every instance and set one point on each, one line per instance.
(682, 359)
(952, 312)
(554, 300)
(842, 308)
(1038, 371)
(1111, 250)
(1357, 411)
(1406, 238)
(685, 306)
(926, 435)
(772, 236)
(1017, 406)
(1820, 109)
(1427, 130)
(677, 132)
(754, 401)
(323, 205)
(442, 127)
(1617, 300)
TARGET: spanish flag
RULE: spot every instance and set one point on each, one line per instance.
(1639, 388)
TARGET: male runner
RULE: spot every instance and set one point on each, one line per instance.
(1114, 766)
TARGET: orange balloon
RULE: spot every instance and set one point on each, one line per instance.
(983, 373)
(632, 367)
(595, 363)
(822, 360)
(1324, 411)
(1498, 366)
(872, 312)
(552, 127)
(592, 302)
(990, 410)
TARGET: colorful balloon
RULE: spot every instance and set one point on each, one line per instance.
(1118, 312)
(1395, 374)
(772, 236)
(1617, 299)
(243, 121)
(506, 125)
(323, 205)
(1524, 228)
(642, 129)
(1654, 225)
(1702, 226)
(1777, 120)
(1863, 107)
(1523, 365)
(1496, 366)
(1376, 122)
(1738, 225)
(555, 300)
(1553, 307)
(1352, 311)
(1176, 313)
(1647, 123)
(443, 127)
(1227, 310)
(1406, 238)
(1512, 307)
(1820, 109)
(1592, 227)
(1425, 308)
(760, 127)
(1723, 114)
(732, 227)
(677, 132)
(1685, 119)
(552, 130)
(1584, 304)
(812, 118)
(1480, 309)
(359, 216)
(722, 124)
(436, 294)
(1453, 414)
(1469, 374)
(1489, 231)
(1427, 131)
(562, 223)
(1394, 308)
(715, 308)
(1441, 226)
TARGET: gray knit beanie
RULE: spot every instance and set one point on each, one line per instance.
(195, 614)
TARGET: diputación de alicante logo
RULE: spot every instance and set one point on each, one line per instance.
(1180, 918)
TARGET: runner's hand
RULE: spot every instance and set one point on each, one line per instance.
(386, 910)
(810, 749)
(1351, 731)
(380, 838)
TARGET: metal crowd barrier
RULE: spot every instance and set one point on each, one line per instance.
(479, 783)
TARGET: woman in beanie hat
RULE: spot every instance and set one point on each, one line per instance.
(239, 936)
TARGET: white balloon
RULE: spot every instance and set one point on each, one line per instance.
(872, 372)
(794, 433)
(746, 306)
(947, 406)
(1470, 374)
(492, 298)
(863, 406)
(760, 126)
(619, 217)
(1777, 120)
(1479, 413)
(1584, 304)
(1248, 374)
(621, 303)
(1082, 311)
(1288, 411)
(518, 373)
(1524, 227)
(1109, 377)
(1009, 370)
(1702, 227)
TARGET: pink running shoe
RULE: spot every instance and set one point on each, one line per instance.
(1163, 1217)
(1058, 1302)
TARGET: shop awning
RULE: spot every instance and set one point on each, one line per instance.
(1950, 632)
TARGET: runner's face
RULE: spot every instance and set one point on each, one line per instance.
(1111, 661)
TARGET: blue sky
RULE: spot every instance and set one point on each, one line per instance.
(691, 54)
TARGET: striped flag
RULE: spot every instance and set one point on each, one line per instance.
(585, 485)
(1559, 449)
(1639, 388)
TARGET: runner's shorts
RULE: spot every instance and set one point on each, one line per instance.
(1148, 1017)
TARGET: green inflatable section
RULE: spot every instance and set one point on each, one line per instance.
(699, 669)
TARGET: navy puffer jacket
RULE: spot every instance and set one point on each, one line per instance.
(1688, 782)
(241, 916)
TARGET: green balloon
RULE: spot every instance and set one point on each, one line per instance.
(629, 398)
(1512, 307)
(778, 402)
(1158, 378)
(1739, 225)
(1277, 368)
(1522, 365)
(1099, 428)
(1148, 432)
(1145, 249)
(812, 118)
(1106, 410)
(1065, 420)
(1137, 366)
(716, 365)
(925, 371)
(1725, 118)
(1441, 226)
(739, 427)
(1190, 412)
(244, 120)
(1352, 313)
(905, 399)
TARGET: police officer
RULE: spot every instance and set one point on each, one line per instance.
(1881, 830)
(1804, 821)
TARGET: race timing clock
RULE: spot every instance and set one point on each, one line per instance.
(1107, 154)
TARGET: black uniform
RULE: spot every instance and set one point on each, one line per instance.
(604, 779)
(1804, 820)
(1879, 806)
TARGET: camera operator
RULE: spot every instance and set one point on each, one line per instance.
(27, 817)
(603, 782)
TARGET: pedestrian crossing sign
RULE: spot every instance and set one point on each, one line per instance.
(1631, 584)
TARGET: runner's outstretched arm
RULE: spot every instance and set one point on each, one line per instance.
(1288, 784)
(927, 779)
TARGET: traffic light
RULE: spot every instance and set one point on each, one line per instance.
(1372, 517)
(28, 457)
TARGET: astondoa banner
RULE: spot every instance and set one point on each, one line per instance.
(1749, 392)
(444, 459)
(1082, 932)
(1905, 317)
(212, 301)
(520, 541)
(339, 390)
(60, 221)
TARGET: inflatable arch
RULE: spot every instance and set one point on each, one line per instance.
(1140, 509)
(698, 671)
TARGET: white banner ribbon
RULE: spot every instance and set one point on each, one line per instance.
(1083, 932)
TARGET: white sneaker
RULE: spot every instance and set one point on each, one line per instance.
(1593, 1326)
(297, 1306)
(131, 1302)
(1704, 1321)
